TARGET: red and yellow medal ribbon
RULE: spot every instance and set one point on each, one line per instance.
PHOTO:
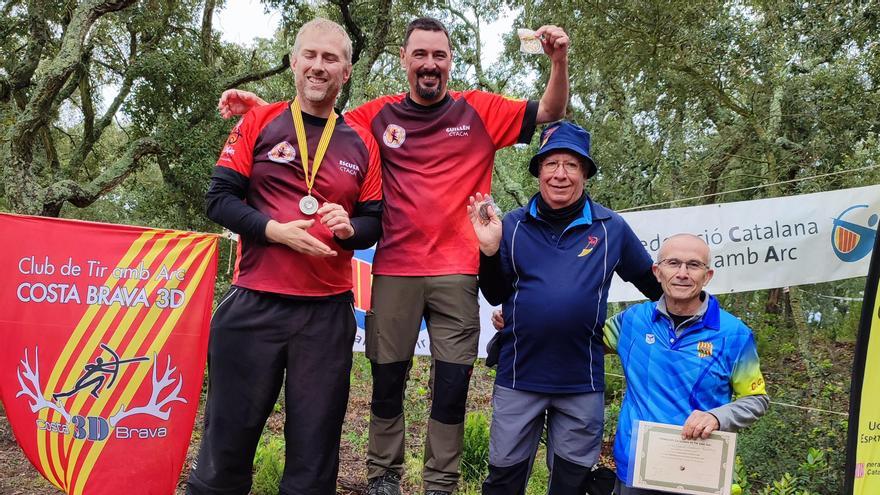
(303, 143)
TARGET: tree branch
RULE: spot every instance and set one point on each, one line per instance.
(726, 100)
(477, 61)
(87, 106)
(51, 150)
(358, 40)
(39, 37)
(206, 37)
(257, 76)
(36, 113)
(83, 195)
(5, 89)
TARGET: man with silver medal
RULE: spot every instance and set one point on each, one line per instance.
(302, 189)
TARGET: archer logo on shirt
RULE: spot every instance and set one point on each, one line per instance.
(649, 338)
(234, 134)
(591, 243)
(394, 136)
(282, 152)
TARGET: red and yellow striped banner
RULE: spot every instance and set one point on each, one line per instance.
(107, 331)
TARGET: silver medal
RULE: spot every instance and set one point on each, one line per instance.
(308, 205)
(483, 210)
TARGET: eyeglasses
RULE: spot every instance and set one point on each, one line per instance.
(570, 167)
(676, 264)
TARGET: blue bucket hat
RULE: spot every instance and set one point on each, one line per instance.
(567, 136)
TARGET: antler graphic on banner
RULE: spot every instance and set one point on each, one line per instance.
(154, 407)
(39, 402)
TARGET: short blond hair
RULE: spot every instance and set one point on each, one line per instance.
(325, 26)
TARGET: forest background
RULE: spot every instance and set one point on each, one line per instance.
(108, 113)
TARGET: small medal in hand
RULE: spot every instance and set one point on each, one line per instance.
(483, 210)
(529, 42)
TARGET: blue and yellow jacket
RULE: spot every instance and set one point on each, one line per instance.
(710, 361)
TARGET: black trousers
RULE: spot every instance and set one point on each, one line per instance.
(255, 338)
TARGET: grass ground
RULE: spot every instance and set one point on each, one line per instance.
(775, 445)
(18, 477)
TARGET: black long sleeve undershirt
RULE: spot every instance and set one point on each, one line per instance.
(495, 288)
(225, 205)
(367, 224)
(648, 285)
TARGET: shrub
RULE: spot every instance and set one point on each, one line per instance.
(475, 448)
(268, 465)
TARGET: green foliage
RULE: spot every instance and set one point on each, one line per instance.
(268, 465)
(806, 481)
(540, 478)
(412, 469)
(612, 413)
(358, 439)
(775, 444)
(475, 447)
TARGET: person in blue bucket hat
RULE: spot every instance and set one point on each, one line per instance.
(549, 264)
(564, 136)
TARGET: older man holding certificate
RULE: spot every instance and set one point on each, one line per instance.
(685, 359)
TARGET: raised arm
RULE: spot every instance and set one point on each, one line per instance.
(555, 98)
(237, 102)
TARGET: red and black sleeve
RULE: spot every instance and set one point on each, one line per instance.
(367, 216)
(507, 120)
(225, 199)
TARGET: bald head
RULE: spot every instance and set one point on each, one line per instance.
(675, 245)
(683, 269)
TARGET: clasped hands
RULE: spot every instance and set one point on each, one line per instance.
(295, 235)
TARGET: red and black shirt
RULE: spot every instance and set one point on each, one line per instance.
(259, 176)
(433, 158)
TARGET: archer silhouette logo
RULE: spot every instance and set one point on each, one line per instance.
(394, 136)
(96, 374)
(591, 244)
(96, 382)
(852, 241)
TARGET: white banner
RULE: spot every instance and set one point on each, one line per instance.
(761, 244)
(766, 243)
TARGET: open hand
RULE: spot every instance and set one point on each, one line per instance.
(488, 232)
(295, 235)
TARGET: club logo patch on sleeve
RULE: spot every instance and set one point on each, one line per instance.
(234, 134)
(394, 136)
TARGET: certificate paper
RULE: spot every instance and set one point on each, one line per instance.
(663, 461)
